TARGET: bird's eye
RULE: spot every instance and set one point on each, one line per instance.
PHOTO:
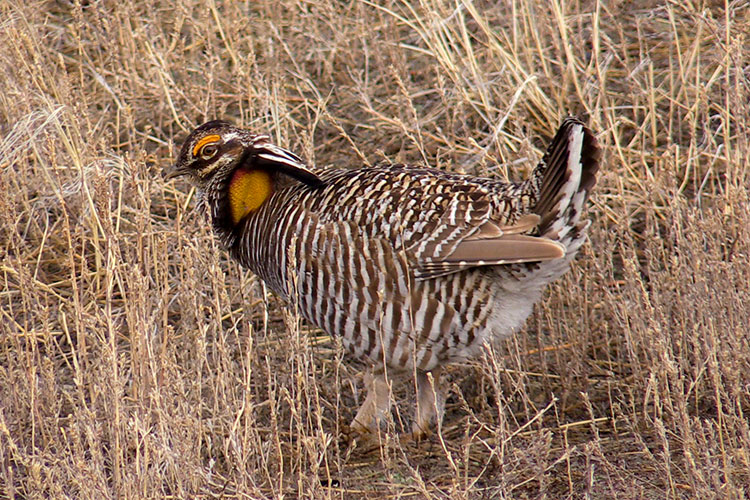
(208, 151)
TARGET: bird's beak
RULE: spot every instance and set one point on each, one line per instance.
(174, 171)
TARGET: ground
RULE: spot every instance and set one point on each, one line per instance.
(137, 361)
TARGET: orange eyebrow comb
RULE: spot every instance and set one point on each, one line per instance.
(204, 141)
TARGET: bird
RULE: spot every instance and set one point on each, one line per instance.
(413, 268)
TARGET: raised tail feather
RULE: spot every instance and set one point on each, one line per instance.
(565, 176)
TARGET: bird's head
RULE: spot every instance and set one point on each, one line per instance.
(247, 165)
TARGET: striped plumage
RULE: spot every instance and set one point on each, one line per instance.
(413, 267)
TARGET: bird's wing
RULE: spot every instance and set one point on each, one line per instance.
(444, 223)
(467, 232)
(490, 245)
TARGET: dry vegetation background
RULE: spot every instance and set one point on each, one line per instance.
(136, 361)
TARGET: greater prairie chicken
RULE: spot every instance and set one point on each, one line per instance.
(412, 267)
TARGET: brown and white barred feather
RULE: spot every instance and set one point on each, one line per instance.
(415, 267)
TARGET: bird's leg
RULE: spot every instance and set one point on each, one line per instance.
(430, 403)
(377, 404)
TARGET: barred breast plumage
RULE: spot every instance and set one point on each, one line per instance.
(412, 267)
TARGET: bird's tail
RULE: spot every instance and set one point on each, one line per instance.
(563, 179)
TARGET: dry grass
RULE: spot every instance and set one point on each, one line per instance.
(136, 361)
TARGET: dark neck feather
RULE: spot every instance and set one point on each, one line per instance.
(216, 204)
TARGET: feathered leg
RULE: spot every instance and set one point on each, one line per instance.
(377, 404)
(430, 403)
